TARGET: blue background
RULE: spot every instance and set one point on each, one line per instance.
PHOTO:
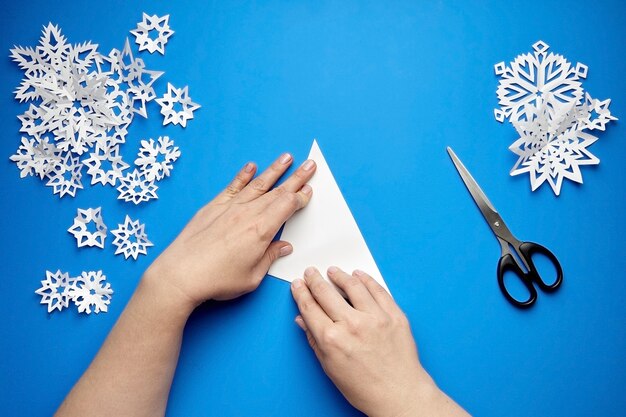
(385, 87)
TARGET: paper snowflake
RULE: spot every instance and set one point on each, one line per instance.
(54, 290)
(149, 25)
(36, 156)
(136, 188)
(554, 139)
(131, 239)
(80, 228)
(90, 290)
(530, 76)
(65, 177)
(177, 98)
(155, 159)
(105, 165)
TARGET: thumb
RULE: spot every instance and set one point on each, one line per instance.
(274, 251)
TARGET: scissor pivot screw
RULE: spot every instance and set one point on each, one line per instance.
(497, 224)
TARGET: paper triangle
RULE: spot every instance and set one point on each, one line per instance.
(324, 233)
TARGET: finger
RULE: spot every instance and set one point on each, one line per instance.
(327, 296)
(284, 206)
(300, 322)
(380, 294)
(314, 317)
(274, 251)
(264, 182)
(357, 293)
(242, 179)
(300, 177)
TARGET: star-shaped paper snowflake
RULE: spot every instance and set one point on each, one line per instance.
(65, 177)
(36, 157)
(131, 238)
(148, 26)
(105, 165)
(553, 143)
(136, 188)
(599, 114)
(80, 228)
(54, 290)
(91, 290)
(155, 159)
(178, 97)
(530, 76)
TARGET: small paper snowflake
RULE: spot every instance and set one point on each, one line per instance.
(136, 188)
(530, 76)
(599, 114)
(80, 229)
(155, 159)
(54, 290)
(131, 239)
(151, 24)
(110, 173)
(91, 290)
(178, 97)
(65, 177)
(36, 157)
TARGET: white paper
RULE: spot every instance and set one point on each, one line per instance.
(324, 233)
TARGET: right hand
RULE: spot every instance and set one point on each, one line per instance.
(366, 346)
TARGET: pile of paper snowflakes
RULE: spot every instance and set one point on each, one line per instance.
(81, 104)
(541, 94)
(87, 291)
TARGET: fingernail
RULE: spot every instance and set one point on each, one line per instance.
(249, 167)
(358, 272)
(306, 189)
(286, 250)
(300, 322)
(332, 269)
(285, 158)
(308, 165)
(309, 271)
(297, 283)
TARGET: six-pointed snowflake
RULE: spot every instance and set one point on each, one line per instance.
(109, 174)
(176, 106)
(155, 159)
(54, 290)
(131, 239)
(148, 26)
(90, 290)
(136, 187)
(65, 177)
(80, 228)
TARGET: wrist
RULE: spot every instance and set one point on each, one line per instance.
(165, 296)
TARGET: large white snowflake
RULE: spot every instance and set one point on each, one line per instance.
(155, 159)
(147, 27)
(90, 290)
(80, 228)
(136, 188)
(554, 139)
(530, 76)
(131, 239)
(176, 106)
(54, 290)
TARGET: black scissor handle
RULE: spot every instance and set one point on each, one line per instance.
(507, 263)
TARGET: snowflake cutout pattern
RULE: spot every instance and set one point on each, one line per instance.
(530, 76)
(90, 290)
(131, 239)
(553, 143)
(136, 188)
(54, 290)
(178, 97)
(151, 24)
(109, 155)
(80, 228)
(155, 159)
(599, 114)
(65, 177)
(36, 156)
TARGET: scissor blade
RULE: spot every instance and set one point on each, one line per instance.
(483, 203)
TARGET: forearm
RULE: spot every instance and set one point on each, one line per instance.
(132, 373)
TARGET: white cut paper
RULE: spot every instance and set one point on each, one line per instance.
(131, 239)
(80, 230)
(324, 233)
(54, 290)
(155, 159)
(179, 97)
(151, 24)
(89, 290)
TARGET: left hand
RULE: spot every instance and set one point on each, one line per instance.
(226, 249)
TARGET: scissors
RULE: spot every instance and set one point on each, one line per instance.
(513, 250)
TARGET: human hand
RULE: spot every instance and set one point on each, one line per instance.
(366, 346)
(226, 249)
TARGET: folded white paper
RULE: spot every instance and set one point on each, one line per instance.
(324, 233)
